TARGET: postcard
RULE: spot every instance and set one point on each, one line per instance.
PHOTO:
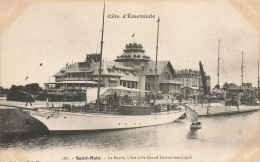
(129, 80)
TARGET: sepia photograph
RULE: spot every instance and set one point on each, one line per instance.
(126, 81)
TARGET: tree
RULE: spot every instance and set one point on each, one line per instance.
(3, 91)
(14, 93)
(18, 93)
(33, 88)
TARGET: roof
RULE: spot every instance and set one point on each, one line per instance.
(116, 73)
(74, 68)
(59, 74)
(78, 70)
(118, 65)
(109, 65)
(161, 65)
(133, 51)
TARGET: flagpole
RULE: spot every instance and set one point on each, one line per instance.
(41, 73)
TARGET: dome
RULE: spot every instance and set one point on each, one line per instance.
(133, 51)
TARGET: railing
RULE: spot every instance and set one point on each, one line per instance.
(92, 108)
(76, 78)
(116, 109)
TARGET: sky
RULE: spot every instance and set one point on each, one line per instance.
(55, 33)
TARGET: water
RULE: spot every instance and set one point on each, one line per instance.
(220, 138)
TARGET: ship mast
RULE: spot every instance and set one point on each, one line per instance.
(242, 71)
(100, 61)
(155, 89)
(258, 80)
(86, 87)
(218, 61)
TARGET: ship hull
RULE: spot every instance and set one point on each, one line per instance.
(72, 122)
(223, 110)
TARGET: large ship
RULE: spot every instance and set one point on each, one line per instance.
(117, 108)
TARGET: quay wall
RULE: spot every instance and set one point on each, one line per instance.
(14, 123)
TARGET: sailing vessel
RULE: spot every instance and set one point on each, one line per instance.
(192, 116)
(117, 108)
(217, 101)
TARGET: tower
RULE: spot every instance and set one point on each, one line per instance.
(133, 56)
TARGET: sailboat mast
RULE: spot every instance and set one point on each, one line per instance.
(218, 60)
(242, 71)
(258, 79)
(156, 90)
(101, 51)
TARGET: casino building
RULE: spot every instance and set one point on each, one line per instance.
(132, 69)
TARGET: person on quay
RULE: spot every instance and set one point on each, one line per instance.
(29, 98)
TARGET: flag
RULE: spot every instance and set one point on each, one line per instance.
(158, 19)
(40, 64)
(26, 78)
(133, 35)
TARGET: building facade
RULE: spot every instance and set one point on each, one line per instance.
(191, 78)
(163, 80)
(132, 69)
(233, 90)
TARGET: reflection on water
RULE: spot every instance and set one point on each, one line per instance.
(192, 135)
(218, 135)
